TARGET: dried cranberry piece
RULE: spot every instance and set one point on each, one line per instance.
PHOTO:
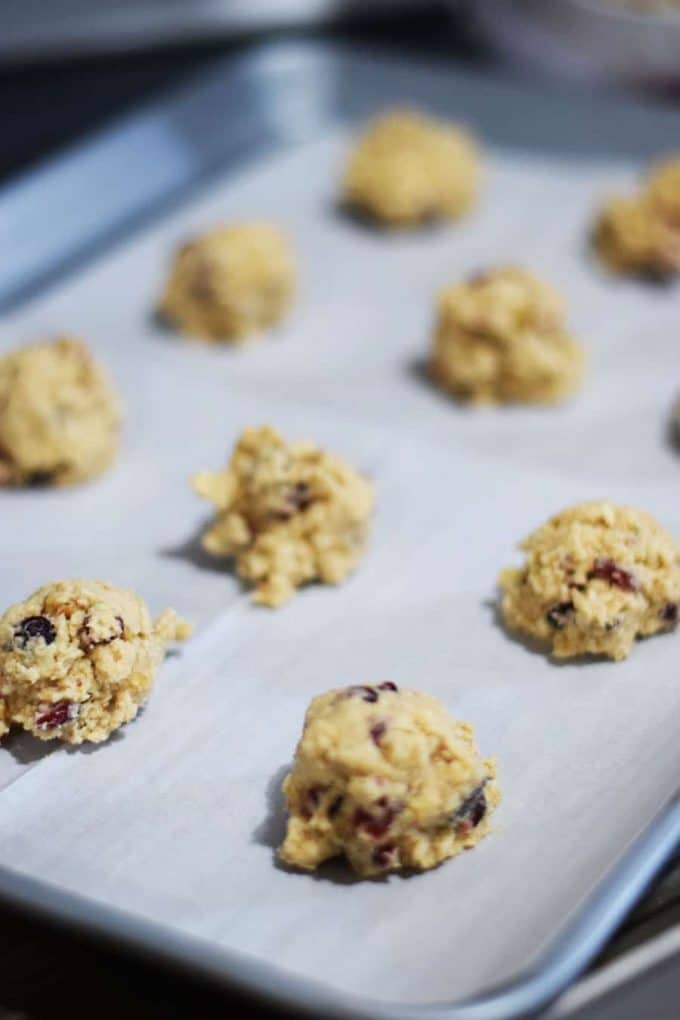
(310, 801)
(669, 613)
(34, 627)
(300, 496)
(385, 856)
(387, 686)
(296, 499)
(377, 824)
(335, 806)
(378, 731)
(558, 613)
(471, 811)
(58, 714)
(607, 570)
(366, 693)
(88, 639)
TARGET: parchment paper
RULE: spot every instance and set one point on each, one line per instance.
(177, 817)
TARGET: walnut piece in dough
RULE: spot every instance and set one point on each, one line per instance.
(640, 234)
(231, 282)
(78, 659)
(596, 577)
(500, 338)
(389, 779)
(289, 513)
(59, 417)
(408, 168)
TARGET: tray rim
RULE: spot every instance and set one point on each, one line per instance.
(249, 77)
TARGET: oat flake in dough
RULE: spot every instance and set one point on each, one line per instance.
(78, 659)
(389, 779)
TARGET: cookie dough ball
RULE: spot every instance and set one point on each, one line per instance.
(230, 283)
(78, 658)
(641, 234)
(596, 577)
(389, 779)
(288, 513)
(407, 168)
(663, 190)
(500, 337)
(59, 417)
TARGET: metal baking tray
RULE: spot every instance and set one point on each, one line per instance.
(58, 222)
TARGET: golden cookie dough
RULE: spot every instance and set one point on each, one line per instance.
(78, 659)
(389, 779)
(289, 513)
(500, 338)
(641, 234)
(408, 168)
(231, 282)
(596, 577)
(59, 417)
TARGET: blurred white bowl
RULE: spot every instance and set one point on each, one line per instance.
(595, 39)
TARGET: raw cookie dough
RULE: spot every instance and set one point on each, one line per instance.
(500, 337)
(288, 513)
(389, 779)
(59, 417)
(641, 234)
(78, 658)
(407, 168)
(596, 577)
(231, 282)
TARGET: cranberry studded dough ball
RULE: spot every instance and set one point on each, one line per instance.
(500, 337)
(78, 659)
(640, 234)
(288, 513)
(596, 576)
(59, 417)
(408, 168)
(230, 283)
(389, 779)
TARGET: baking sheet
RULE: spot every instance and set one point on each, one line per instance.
(176, 818)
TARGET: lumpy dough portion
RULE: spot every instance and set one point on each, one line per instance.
(407, 168)
(78, 659)
(500, 337)
(289, 513)
(230, 283)
(389, 779)
(59, 416)
(596, 576)
(640, 234)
